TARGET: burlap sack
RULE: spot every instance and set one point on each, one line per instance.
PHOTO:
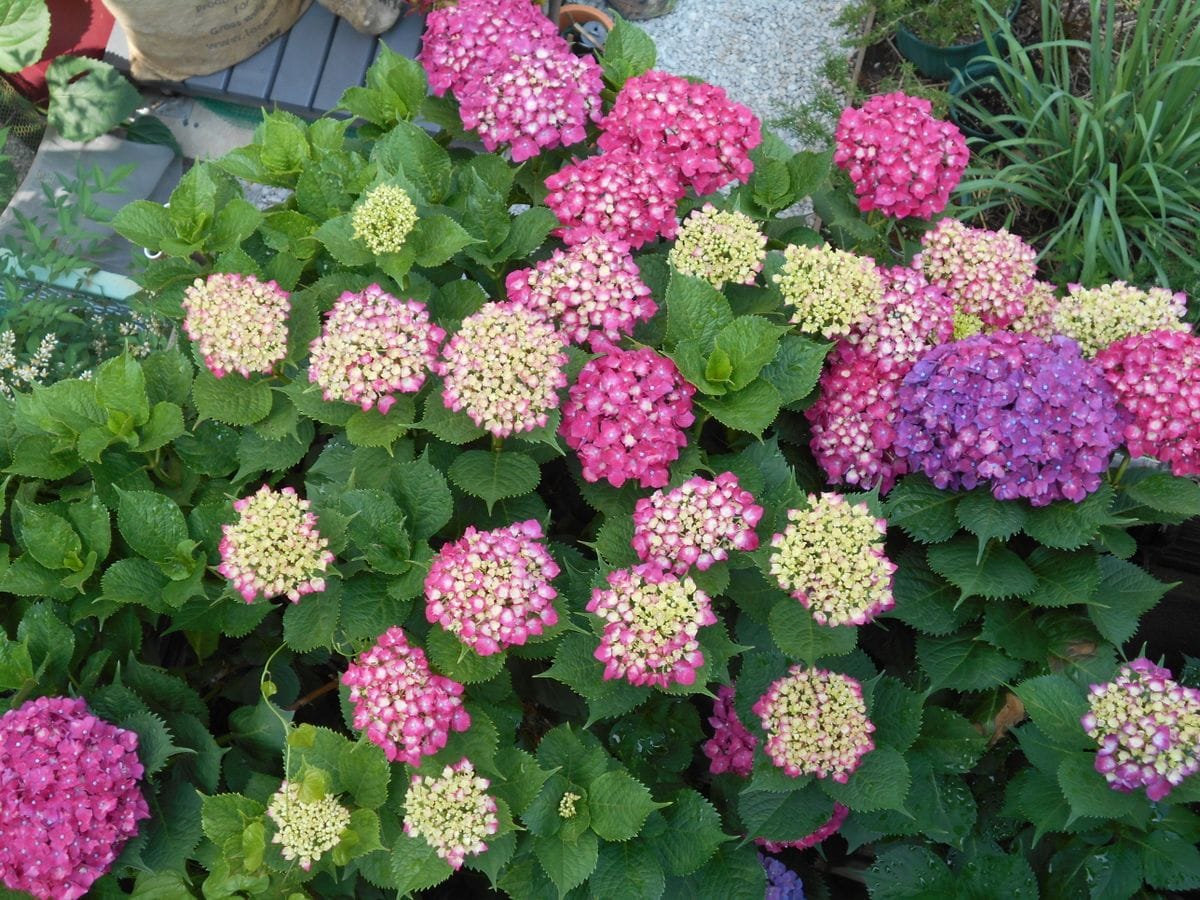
(367, 16)
(170, 40)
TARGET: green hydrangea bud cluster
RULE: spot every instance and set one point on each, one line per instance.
(1097, 317)
(966, 325)
(383, 218)
(830, 289)
(306, 830)
(719, 246)
(566, 806)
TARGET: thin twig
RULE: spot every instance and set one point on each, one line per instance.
(313, 695)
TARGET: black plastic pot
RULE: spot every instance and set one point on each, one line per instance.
(966, 84)
(938, 62)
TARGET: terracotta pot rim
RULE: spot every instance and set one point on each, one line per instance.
(584, 13)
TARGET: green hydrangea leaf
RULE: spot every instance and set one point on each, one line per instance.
(1064, 577)
(416, 865)
(1056, 704)
(456, 660)
(995, 574)
(619, 804)
(1065, 525)
(896, 712)
(881, 781)
(695, 311)
(784, 816)
(926, 601)
(751, 409)
(924, 512)
(964, 663)
(567, 863)
(1126, 593)
(494, 476)
(796, 367)
(628, 869)
(909, 873)
(232, 400)
(799, 635)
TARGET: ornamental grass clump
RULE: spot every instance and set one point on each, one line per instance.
(653, 623)
(274, 548)
(696, 524)
(306, 830)
(1148, 729)
(816, 724)
(720, 246)
(491, 589)
(731, 748)
(384, 219)
(503, 368)
(829, 290)
(400, 704)
(70, 797)
(372, 347)
(989, 273)
(238, 322)
(1097, 317)
(830, 557)
(452, 812)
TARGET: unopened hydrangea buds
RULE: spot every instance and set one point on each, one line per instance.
(383, 218)
(830, 291)
(305, 831)
(238, 322)
(720, 246)
(1101, 316)
(453, 812)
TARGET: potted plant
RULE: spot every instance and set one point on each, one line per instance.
(939, 37)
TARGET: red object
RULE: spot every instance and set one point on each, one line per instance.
(77, 28)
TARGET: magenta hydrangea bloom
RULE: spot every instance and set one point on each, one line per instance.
(274, 547)
(853, 420)
(630, 197)
(625, 416)
(902, 160)
(989, 273)
(238, 322)
(696, 524)
(1032, 417)
(693, 128)
(69, 797)
(653, 620)
(403, 707)
(593, 289)
(816, 724)
(1148, 728)
(1156, 378)
(731, 748)
(491, 589)
(827, 830)
(913, 316)
(372, 347)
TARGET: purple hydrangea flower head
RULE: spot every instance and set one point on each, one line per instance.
(782, 882)
(731, 748)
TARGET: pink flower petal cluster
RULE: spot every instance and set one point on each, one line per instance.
(693, 128)
(1148, 728)
(625, 416)
(630, 197)
(274, 547)
(69, 797)
(653, 622)
(491, 589)
(1032, 417)
(912, 316)
(238, 322)
(452, 812)
(731, 748)
(504, 368)
(696, 524)
(816, 724)
(1041, 305)
(592, 289)
(1156, 378)
(989, 273)
(902, 160)
(827, 830)
(372, 347)
(403, 707)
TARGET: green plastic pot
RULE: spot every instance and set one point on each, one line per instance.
(972, 77)
(938, 62)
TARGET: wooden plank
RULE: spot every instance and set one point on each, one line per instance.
(405, 36)
(345, 66)
(303, 58)
(251, 79)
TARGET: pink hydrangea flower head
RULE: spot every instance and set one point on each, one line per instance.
(238, 322)
(694, 128)
(731, 748)
(384, 218)
(1097, 317)
(902, 160)
(720, 246)
(1040, 306)
(816, 724)
(533, 102)
(625, 417)
(452, 812)
(1148, 729)
(69, 797)
(504, 368)
(306, 829)
(477, 36)
(827, 830)
(989, 273)
(403, 707)
(593, 289)
(830, 290)
(630, 197)
(912, 316)
(491, 589)
(830, 557)
(1031, 417)
(1156, 378)
(274, 547)
(653, 620)
(853, 421)
(372, 347)
(696, 524)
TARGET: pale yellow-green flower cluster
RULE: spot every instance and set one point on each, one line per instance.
(830, 557)
(306, 830)
(1097, 317)
(830, 289)
(453, 812)
(966, 325)
(566, 806)
(719, 246)
(383, 218)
